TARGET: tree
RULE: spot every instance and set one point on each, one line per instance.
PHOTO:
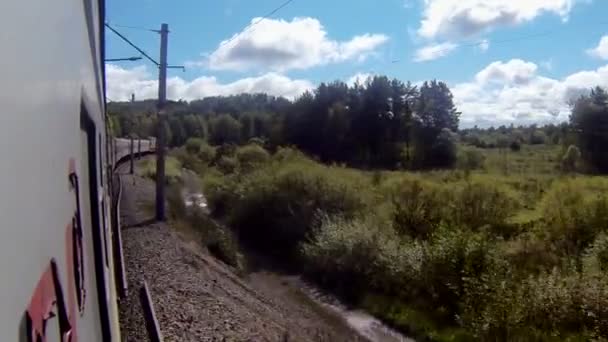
(435, 114)
(589, 120)
(225, 130)
(443, 150)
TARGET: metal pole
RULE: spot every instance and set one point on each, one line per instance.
(160, 151)
(131, 155)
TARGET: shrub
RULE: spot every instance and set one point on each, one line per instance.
(515, 146)
(188, 160)
(250, 156)
(275, 205)
(572, 216)
(418, 206)
(206, 154)
(451, 257)
(147, 168)
(221, 193)
(219, 241)
(193, 145)
(349, 255)
(227, 165)
(477, 203)
(595, 258)
(470, 159)
(571, 159)
(537, 137)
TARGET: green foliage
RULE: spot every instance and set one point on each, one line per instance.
(537, 137)
(418, 206)
(219, 240)
(478, 203)
(571, 159)
(227, 164)
(347, 254)
(173, 169)
(439, 254)
(573, 215)
(515, 146)
(590, 122)
(595, 259)
(288, 195)
(193, 145)
(251, 156)
(225, 130)
(443, 150)
(470, 159)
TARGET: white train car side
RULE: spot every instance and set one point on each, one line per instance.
(55, 243)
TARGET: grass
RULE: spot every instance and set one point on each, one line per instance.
(147, 168)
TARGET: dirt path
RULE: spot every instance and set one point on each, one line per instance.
(198, 298)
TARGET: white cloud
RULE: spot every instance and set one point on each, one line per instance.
(461, 18)
(360, 77)
(514, 92)
(514, 71)
(280, 45)
(601, 50)
(434, 51)
(121, 83)
(484, 45)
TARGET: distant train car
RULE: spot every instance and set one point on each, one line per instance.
(57, 281)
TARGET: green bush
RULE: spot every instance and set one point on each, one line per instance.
(173, 169)
(478, 203)
(219, 241)
(595, 259)
(515, 146)
(275, 205)
(470, 159)
(206, 154)
(193, 145)
(571, 159)
(452, 257)
(250, 156)
(227, 165)
(418, 206)
(349, 255)
(573, 216)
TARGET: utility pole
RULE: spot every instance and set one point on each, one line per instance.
(160, 150)
(132, 157)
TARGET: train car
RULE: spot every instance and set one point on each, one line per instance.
(56, 244)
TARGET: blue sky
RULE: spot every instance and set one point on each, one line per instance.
(517, 61)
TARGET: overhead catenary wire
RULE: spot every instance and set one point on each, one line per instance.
(501, 41)
(248, 27)
(132, 44)
(134, 27)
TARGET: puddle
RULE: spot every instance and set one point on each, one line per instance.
(362, 322)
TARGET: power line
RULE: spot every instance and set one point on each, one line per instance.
(132, 44)
(274, 11)
(502, 41)
(135, 28)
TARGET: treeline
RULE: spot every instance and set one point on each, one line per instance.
(380, 124)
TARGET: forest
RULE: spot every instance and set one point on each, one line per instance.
(373, 192)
